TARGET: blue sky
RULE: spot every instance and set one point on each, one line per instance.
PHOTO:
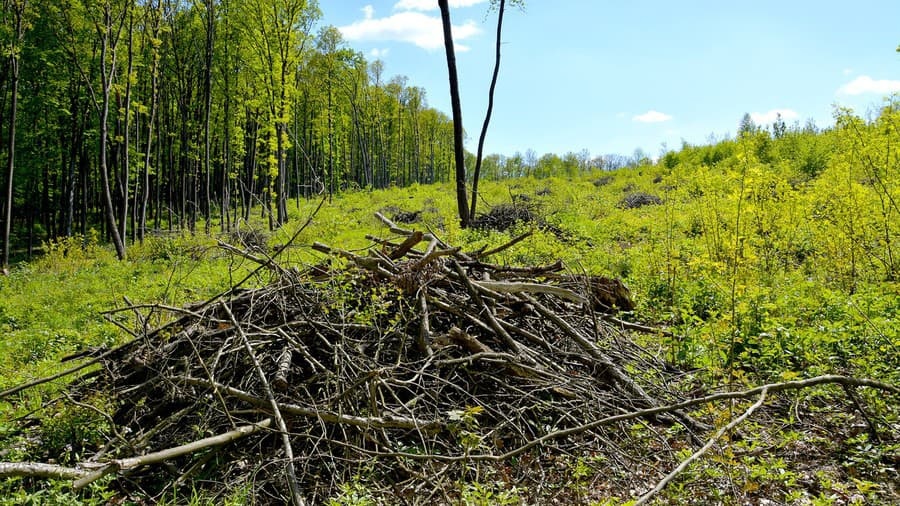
(612, 76)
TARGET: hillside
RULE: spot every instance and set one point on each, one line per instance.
(768, 258)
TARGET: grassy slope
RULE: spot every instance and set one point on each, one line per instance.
(764, 270)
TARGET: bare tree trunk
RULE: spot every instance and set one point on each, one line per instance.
(226, 165)
(18, 7)
(77, 126)
(458, 147)
(126, 169)
(108, 31)
(330, 145)
(280, 127)
(154, 99)
(207, 96)
(487, 117)
(11, 152)
(104, 134)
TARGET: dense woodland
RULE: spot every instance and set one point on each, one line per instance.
(162, 114)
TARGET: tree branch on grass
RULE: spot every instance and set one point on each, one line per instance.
(699, 453)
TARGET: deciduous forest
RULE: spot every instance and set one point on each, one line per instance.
(235, 272)
(165, 114)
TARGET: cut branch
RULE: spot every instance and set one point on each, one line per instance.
(705, 448)
(170, 453)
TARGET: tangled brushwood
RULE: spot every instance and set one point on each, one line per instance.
(408, 372)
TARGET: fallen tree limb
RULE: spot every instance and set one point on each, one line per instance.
(262, 261)
(170, 453)
(6, 393)
(637, 327)
(508, 287)
(699, 453)
(40, 470)
(644, 413)
(503, 247)
(743, 394)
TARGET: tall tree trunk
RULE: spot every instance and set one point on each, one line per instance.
(280, 126)
(487, 117)
(126, 157)
(18, 7)
(226, 166)
(151, 122)
(78, 126)
(11, 149)
(207, 101)
(458, 147)
(331, 184)
(107, 75)
(109, 29)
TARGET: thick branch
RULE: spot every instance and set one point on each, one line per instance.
(170, 453)
(506, 287)
(40, 470)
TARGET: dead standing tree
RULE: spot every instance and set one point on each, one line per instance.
(467, 214)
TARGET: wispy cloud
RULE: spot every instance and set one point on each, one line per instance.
(768, 117)
(652, 117)
(412, 27)
(377, 53)
(863, 85)
(431, 5)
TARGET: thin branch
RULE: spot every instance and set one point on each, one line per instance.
(503, 247)
(14, 390)
(705, 448)
(170, 453)
(293, 484)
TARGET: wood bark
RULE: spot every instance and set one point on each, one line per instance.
(458, 134)
(487, 116)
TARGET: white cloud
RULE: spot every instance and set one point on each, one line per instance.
(378, 53)
(848, 71)
(431, 5)
(412, 27)
(652, 117)
(368, 11)
(768, 117)
(865, 84)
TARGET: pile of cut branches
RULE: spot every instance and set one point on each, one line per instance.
(411, 369)
(503, 217)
